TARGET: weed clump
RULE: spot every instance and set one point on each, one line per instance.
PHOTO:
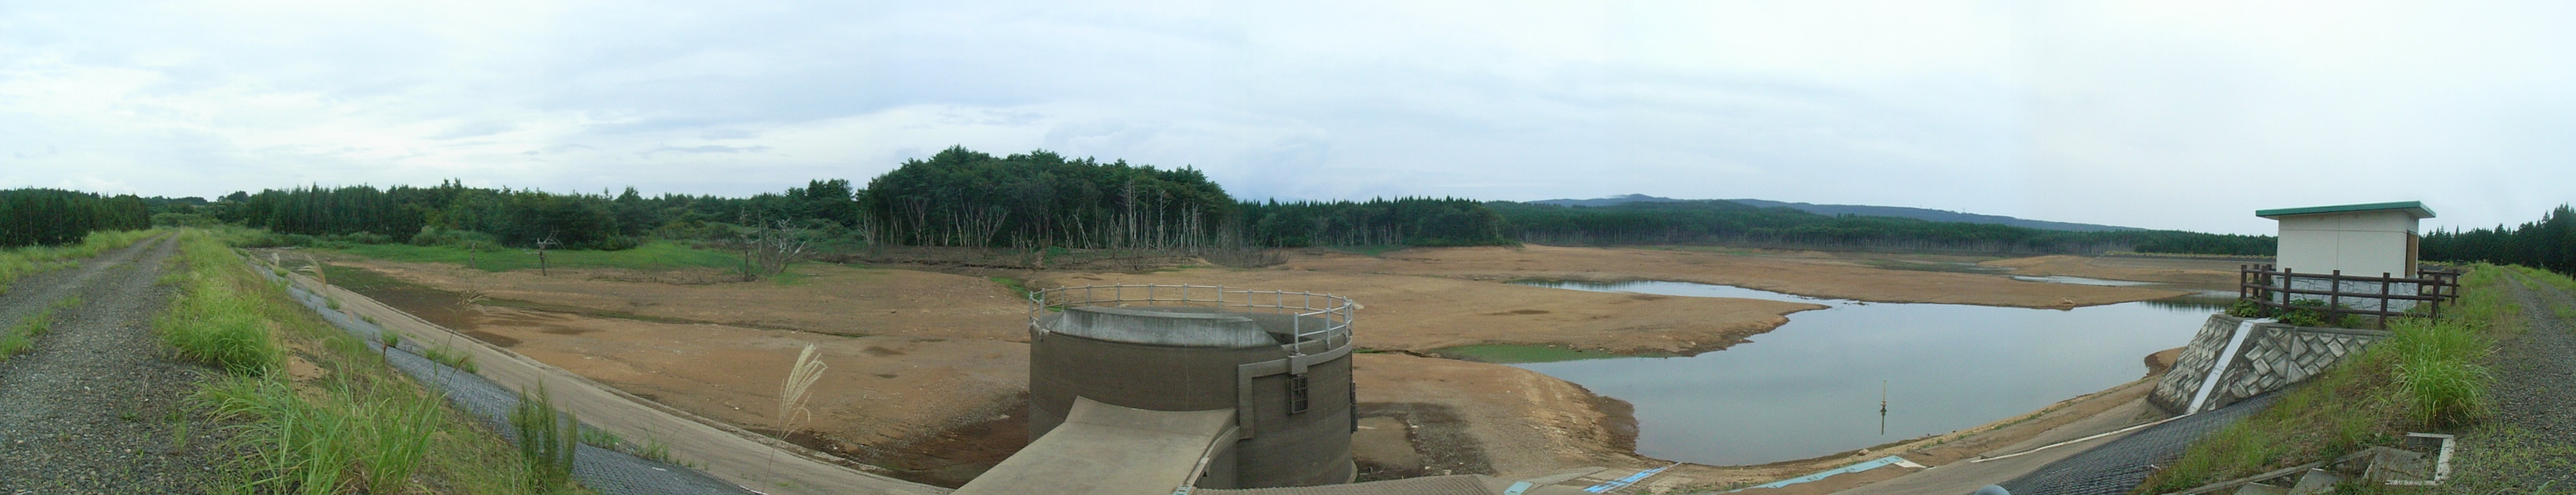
(548, 439)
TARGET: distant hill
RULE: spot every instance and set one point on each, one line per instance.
(1864, 210)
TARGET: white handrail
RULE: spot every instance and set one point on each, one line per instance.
(1336, 311)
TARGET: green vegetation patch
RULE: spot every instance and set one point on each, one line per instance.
(2428, 376)
(653, 256)
(24, 261)
(1529, 353)
(1932, 267)
(359, 427)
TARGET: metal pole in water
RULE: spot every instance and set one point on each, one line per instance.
(1882, 407)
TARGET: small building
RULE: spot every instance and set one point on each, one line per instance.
(2324, 245)
(2370, 240)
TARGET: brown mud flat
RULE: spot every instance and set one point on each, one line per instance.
(2183, 271)
(1841, 276)
(926, 366)
(948, 458)
(827, 298)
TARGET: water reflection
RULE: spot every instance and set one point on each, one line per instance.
(1811, 387)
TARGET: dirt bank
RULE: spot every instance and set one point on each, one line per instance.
(1812, 274)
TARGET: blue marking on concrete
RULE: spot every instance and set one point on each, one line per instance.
(1864, 466)
(1630, 480)
(1518, 488)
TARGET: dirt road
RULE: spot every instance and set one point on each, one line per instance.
(96, 406)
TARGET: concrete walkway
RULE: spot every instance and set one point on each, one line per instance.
(1111, 450)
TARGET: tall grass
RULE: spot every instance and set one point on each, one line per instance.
(23, 261)
(2438, 370)
(549, 438)
(359, 427)
(219, 318)
(323, 445)
(791, 394)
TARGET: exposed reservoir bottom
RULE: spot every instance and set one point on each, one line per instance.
(1812, 387)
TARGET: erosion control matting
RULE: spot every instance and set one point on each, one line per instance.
(605, 470)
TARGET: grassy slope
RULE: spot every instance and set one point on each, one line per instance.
(654, 256)
(2425, 378)
(350, 424)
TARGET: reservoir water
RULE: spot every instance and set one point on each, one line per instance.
(1812, 386)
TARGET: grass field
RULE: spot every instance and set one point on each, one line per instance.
(653, 256)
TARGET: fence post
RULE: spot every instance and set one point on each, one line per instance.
(2383, 299)
(2335, 295)
(2289, 278)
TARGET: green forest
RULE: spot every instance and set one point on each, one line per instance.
(2548, 243)
(1035, 201)
(1730, 223)
(53, 216)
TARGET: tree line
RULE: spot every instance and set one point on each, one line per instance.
(2549, 243)
(30, 217)
(1041, 200)
(1726, 222)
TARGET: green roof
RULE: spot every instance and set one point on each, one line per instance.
(2415, 208)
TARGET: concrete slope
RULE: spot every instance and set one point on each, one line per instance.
(1111, 450)
(754, 461)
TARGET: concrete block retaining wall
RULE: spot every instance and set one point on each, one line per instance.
(2273, 356)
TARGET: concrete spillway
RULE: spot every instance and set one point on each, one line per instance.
(1107, 449)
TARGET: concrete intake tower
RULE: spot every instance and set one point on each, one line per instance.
(1262, 378)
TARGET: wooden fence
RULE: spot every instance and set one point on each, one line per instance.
(2276, 289)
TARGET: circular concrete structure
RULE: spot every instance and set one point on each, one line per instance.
(1280, 361)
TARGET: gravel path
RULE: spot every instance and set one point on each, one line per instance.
(96, 406)
(2531, 440)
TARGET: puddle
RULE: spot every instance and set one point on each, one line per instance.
(2072, 280)
(1812, 386)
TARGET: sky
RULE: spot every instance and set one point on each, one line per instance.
(2157, 114)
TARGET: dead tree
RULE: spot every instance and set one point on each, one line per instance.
(767, 249)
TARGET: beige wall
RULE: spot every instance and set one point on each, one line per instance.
(2360, 243)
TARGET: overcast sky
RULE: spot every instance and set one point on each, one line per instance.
(2158, 114)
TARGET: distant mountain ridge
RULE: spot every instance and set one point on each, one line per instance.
(1865, 210)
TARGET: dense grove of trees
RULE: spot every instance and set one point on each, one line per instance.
(1724, 222)
(53, 216)
(2547, 243)
(1402, 221)
(966, 198)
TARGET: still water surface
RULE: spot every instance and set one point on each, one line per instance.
(1812, 387)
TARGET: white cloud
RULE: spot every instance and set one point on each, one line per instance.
(2156, 114)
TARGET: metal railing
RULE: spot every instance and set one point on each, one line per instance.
(1332, 331)
(2278, 289)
